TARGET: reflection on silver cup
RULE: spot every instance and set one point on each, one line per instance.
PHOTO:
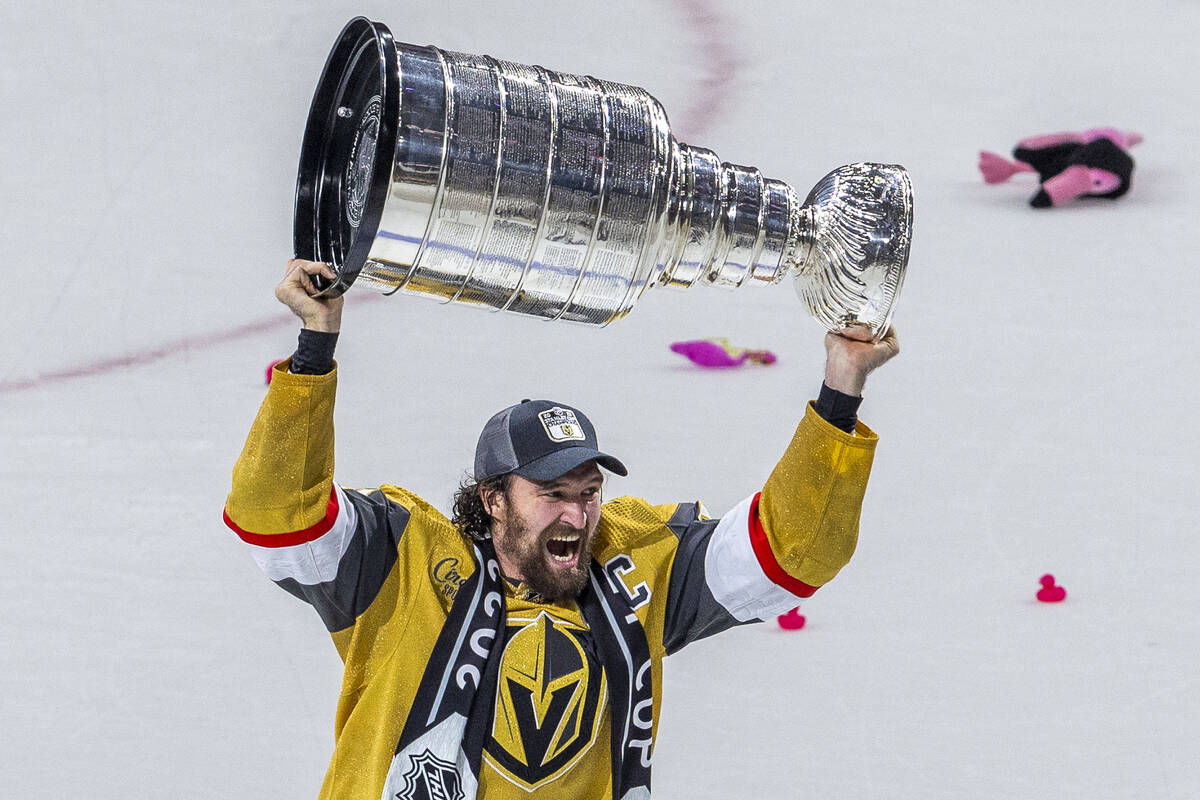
(515, 188)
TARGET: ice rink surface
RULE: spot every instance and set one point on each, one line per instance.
(1040, 418)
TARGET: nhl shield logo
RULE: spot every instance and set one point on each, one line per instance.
(562, 425)
(431, 778)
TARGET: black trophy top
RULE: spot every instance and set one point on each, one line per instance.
(347, 153)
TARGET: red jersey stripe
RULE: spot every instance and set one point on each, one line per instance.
(294, 538)
(766, 557)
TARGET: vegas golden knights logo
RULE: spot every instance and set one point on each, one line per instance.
(547, 701)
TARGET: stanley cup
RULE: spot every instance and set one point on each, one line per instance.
(512, 187)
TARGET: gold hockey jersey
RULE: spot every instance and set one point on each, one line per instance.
(382, 567)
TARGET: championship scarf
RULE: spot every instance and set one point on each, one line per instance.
(441, 746)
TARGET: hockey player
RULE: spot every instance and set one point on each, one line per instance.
(515, 652)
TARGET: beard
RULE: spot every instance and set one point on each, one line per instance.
(527, 550)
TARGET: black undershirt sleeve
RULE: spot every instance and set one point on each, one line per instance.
(837, 408)
(314, 353)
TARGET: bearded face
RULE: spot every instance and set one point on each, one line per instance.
(553, 562)
(545, 531)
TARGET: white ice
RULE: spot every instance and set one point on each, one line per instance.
(1040, 418)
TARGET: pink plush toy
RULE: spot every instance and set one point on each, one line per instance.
(719, 353)
(1091, 163)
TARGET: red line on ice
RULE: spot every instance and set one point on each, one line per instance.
(140, 357)
(718, 63)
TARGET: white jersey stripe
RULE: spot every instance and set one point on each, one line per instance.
(734, 575)
(316, 561)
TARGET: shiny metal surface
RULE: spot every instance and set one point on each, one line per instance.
(852, 245)
(561, 196)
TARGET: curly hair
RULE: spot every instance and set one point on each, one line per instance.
(470, 516)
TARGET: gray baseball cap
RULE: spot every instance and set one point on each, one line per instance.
(539, 440)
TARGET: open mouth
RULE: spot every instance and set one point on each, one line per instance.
(564, 548)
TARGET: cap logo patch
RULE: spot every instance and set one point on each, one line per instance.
(562, 425)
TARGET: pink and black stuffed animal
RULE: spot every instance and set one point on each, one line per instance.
(1091, 163)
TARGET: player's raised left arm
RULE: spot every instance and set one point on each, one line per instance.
(804, 525)
(783, 543)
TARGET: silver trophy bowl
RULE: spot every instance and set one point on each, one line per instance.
(480, 181)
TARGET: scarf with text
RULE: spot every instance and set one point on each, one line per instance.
(441, 746)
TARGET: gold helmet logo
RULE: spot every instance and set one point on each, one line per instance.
(546, 701)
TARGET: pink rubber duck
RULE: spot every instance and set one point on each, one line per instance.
(792, 620)
(1050, 593)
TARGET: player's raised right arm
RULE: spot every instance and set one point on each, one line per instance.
(284, 504)
(283, 480)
